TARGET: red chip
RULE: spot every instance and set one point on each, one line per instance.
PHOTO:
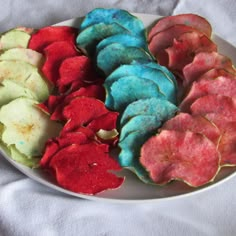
(85, 169)
(192, 20)
(216, 104)
(203, 62)
(221, 85)
(47, 35)
(185, 48)
(55, 53)
(197, 124)
(95, 91)
(81, 111)
(79, 69)
(185, 156)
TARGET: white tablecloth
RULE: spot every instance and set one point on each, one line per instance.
(28, 208)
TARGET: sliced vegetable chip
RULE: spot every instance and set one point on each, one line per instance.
(55, 53)
(160, 108)
(115, 54)
(184, 49)
(216, 104)
(148, 123)
(197, 124)
(185, 156)
(28, 129)
(164, 39)
(26, 76)
(50, 34)
(85, 169)
(203, 62)
(192, 20)
(119, 16)
(82, 110)
(130, 153)
(131, 88)
(92, 35)
(166, 85)
(57, 103)
(23, 54)
(14, 39)
(126, 40)
(220, 85)
(78, 68)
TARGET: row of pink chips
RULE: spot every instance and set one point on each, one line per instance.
(194, 145)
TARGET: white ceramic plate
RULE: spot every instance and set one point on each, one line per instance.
(133, 190)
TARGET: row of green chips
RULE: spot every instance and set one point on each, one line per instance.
(24, 126)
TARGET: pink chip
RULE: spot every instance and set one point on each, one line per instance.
(216, 104)
(192, 20)
(203, 62)
(186, 47)
(221, 85)
(185, 156)
(197, 124)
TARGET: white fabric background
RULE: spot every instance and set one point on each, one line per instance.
(28, 208)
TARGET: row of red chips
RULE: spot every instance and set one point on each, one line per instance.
(79, 158)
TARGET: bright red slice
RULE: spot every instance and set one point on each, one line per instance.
(47, 35)
(85, 169)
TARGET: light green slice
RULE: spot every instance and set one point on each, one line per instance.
(14, 39)
(27, 127)
(25, 75)
(9, 91)
(23, 54)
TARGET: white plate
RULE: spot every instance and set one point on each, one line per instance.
(133, 190)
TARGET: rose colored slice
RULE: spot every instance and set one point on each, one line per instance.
(85, 169)
(185, 48)
(47, 35)
(78, 68)
(221, 85)
(203, 62)
(196, 124)
(164, 39)
(185, 156)
(192, 20)
(55, 53)
(57, 103)
(216, 104)
(81, 111)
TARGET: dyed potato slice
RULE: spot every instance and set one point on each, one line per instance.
(26, 76)
(216, 104)
(221, 85)
(119, 16)
(9, 91)
(184, 156)
(23, 54)
(91, 36)
(148, 123)
(192, 20)
(14, 39)
(128, 40)
(28, 129)
(50, 34)
(131, 88)
(130, 153)
(114, 55)
(197, 124)
(166, 86)
(160, 108)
